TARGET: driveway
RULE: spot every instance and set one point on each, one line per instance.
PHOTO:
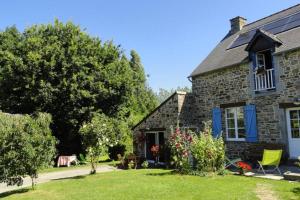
(46, 177)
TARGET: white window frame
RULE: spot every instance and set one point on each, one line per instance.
(263, 59)
(236, 128)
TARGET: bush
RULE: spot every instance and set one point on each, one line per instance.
(27, 145)
(131, 164)
(298, 162)
(115, 150)
(82, 159)
(145, 164)
(209, 152)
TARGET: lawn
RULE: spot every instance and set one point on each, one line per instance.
(104, 160)
(84, 166)
(157, 184)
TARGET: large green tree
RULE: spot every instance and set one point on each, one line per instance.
(60, 69)
(143, 98)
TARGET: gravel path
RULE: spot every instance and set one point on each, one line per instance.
(46, 177)
(265, 192)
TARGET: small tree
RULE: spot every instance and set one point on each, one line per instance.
(27, 145)
(96, 136)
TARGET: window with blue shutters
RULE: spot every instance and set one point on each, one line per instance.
(216, 122)
(235, 125)
(250, 123)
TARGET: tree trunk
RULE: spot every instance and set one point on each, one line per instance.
(93, 164)
(32, 182)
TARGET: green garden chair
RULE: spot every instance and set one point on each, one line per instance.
(232, 162)
(270, 158)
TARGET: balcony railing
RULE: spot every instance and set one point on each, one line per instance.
(264, 81)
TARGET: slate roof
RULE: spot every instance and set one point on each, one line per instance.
(223, 56)
(266, 34)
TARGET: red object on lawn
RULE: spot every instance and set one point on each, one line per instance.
(244, 166)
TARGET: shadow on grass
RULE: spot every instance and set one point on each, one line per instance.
(173, 172)
(296, 191)
(70, 178)
(105, 161)
(18, 191)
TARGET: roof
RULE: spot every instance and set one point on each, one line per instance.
(265, 34)
(226, 54)
(158, 107)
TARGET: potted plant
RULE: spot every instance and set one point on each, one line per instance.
(155, 152)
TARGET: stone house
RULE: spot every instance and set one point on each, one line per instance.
(249, 86)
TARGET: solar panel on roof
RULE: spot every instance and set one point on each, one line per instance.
(276, 27)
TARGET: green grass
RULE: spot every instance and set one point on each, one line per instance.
(155, 184)
(104, 160)
(64, 168)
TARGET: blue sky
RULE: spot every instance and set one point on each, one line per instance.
(171, 36)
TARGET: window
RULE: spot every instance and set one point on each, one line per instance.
(264, 78)
(294, 123)
(261, 62)
(235, 128)
(264, 59)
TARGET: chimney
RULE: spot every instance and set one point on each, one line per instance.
(237, 24)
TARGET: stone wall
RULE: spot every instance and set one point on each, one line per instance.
(229, 86)
(165, 117)
(235, 85)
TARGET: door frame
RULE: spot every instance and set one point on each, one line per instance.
(289, 132)
(156, 142)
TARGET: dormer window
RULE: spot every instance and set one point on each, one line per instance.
(260, 49)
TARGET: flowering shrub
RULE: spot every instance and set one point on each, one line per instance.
(208, 152)
(97, 135)
(244, 167)
(180, 143)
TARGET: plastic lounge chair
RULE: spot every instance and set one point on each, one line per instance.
(232, 162)
(270, 158)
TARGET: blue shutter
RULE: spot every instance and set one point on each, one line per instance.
(253, 59)
(250, 123)
(216, 122)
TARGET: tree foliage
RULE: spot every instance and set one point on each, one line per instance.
(143, 98)
(97, 134)
(27, 145)
(163, 94)
(60, 69)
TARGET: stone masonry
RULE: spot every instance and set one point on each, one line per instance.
(235, 84)
(178, 107)
(231, 85)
